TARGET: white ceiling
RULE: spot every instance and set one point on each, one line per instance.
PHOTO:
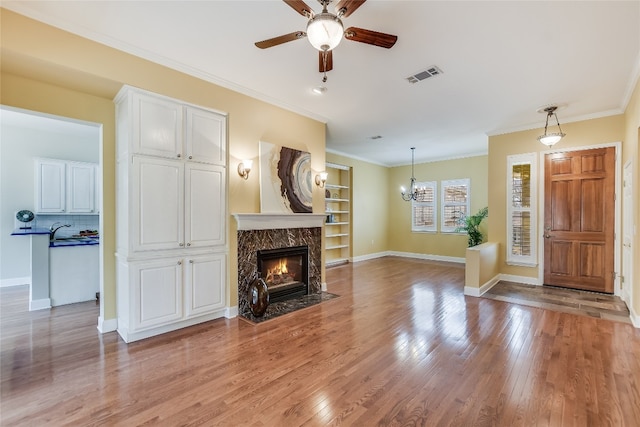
(501, 62)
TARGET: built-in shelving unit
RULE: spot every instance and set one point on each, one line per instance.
(338, 210)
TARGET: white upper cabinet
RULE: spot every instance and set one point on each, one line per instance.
(205, 136)
(157, 126)
(51, 179)
(81, 187)
(168, 129)
(64, 187)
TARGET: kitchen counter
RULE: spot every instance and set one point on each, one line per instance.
(29, 231)
(81, 241)
(63, 271)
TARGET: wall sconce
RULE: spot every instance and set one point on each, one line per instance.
(321, 178)
(244, 167)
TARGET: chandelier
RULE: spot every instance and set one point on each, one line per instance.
(412, 194)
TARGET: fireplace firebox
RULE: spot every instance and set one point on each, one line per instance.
(285, 271)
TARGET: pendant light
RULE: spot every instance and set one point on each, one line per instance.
(550, 138)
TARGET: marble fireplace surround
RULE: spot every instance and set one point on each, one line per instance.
(274, 231)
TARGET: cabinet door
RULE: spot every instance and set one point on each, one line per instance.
(157, 126)
(205, 211)
(205, 136)
(157, 204)
(205, 284)
(51, 186)
(81, 187)
(157, 293)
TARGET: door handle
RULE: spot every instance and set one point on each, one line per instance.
(547, 236)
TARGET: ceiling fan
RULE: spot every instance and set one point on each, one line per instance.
(325, 31)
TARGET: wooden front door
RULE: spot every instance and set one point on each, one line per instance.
(579, 219)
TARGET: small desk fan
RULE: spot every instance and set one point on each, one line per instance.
(25, 217)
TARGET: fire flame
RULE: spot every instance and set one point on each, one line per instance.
(280, 267)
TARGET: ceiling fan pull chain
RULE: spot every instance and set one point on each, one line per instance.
(324, 66)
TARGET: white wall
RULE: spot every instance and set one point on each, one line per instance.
(21, 141)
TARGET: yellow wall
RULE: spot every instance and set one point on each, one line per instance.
(369, 205)
(579, 134)
(48, 70)
(401, 239)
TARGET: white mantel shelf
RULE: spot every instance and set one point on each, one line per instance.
(270, 221)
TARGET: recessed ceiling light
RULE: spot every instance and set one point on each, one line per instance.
(319, 90)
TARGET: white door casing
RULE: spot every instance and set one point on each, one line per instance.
(627, 233)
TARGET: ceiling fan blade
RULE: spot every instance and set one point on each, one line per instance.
(345, 8)
(300, 7)
(281, 39)
(370, 37)
(329, 61)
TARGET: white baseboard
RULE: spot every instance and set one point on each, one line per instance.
(40, 304)
(478, 292)
(323, 286)
(15, 281)
(108, 325)
(520, 279)
(129, 336)
(369, 256)
(634, 317)
(231, 312)
(428, 257)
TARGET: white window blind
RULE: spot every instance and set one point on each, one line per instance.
(455, 203)
(521, 210)
(423, 210)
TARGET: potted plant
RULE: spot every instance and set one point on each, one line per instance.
(471, 224)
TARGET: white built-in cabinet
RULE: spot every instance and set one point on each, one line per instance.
(171, 214)
(66, 187)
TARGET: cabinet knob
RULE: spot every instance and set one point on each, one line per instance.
(190, 261)
(188, 244)
(190, 157)
(179, 262)
(181, 244)
(179, 155)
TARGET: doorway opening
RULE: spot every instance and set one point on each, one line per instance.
(29, 140)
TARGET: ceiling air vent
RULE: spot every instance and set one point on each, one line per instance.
(422, 75)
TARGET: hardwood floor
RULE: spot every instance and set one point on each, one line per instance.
(401, 346)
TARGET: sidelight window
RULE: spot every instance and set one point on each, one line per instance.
(521, 209)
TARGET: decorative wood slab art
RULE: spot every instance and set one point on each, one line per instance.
(285, 180)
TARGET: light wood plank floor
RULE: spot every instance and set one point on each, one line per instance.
(401, 346)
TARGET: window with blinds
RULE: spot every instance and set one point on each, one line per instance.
(455, 204)
(521, 211)
(423, 210)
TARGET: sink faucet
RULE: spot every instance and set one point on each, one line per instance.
(53, 229)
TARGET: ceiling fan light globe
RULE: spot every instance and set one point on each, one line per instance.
(325, 31)
(550, 139)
